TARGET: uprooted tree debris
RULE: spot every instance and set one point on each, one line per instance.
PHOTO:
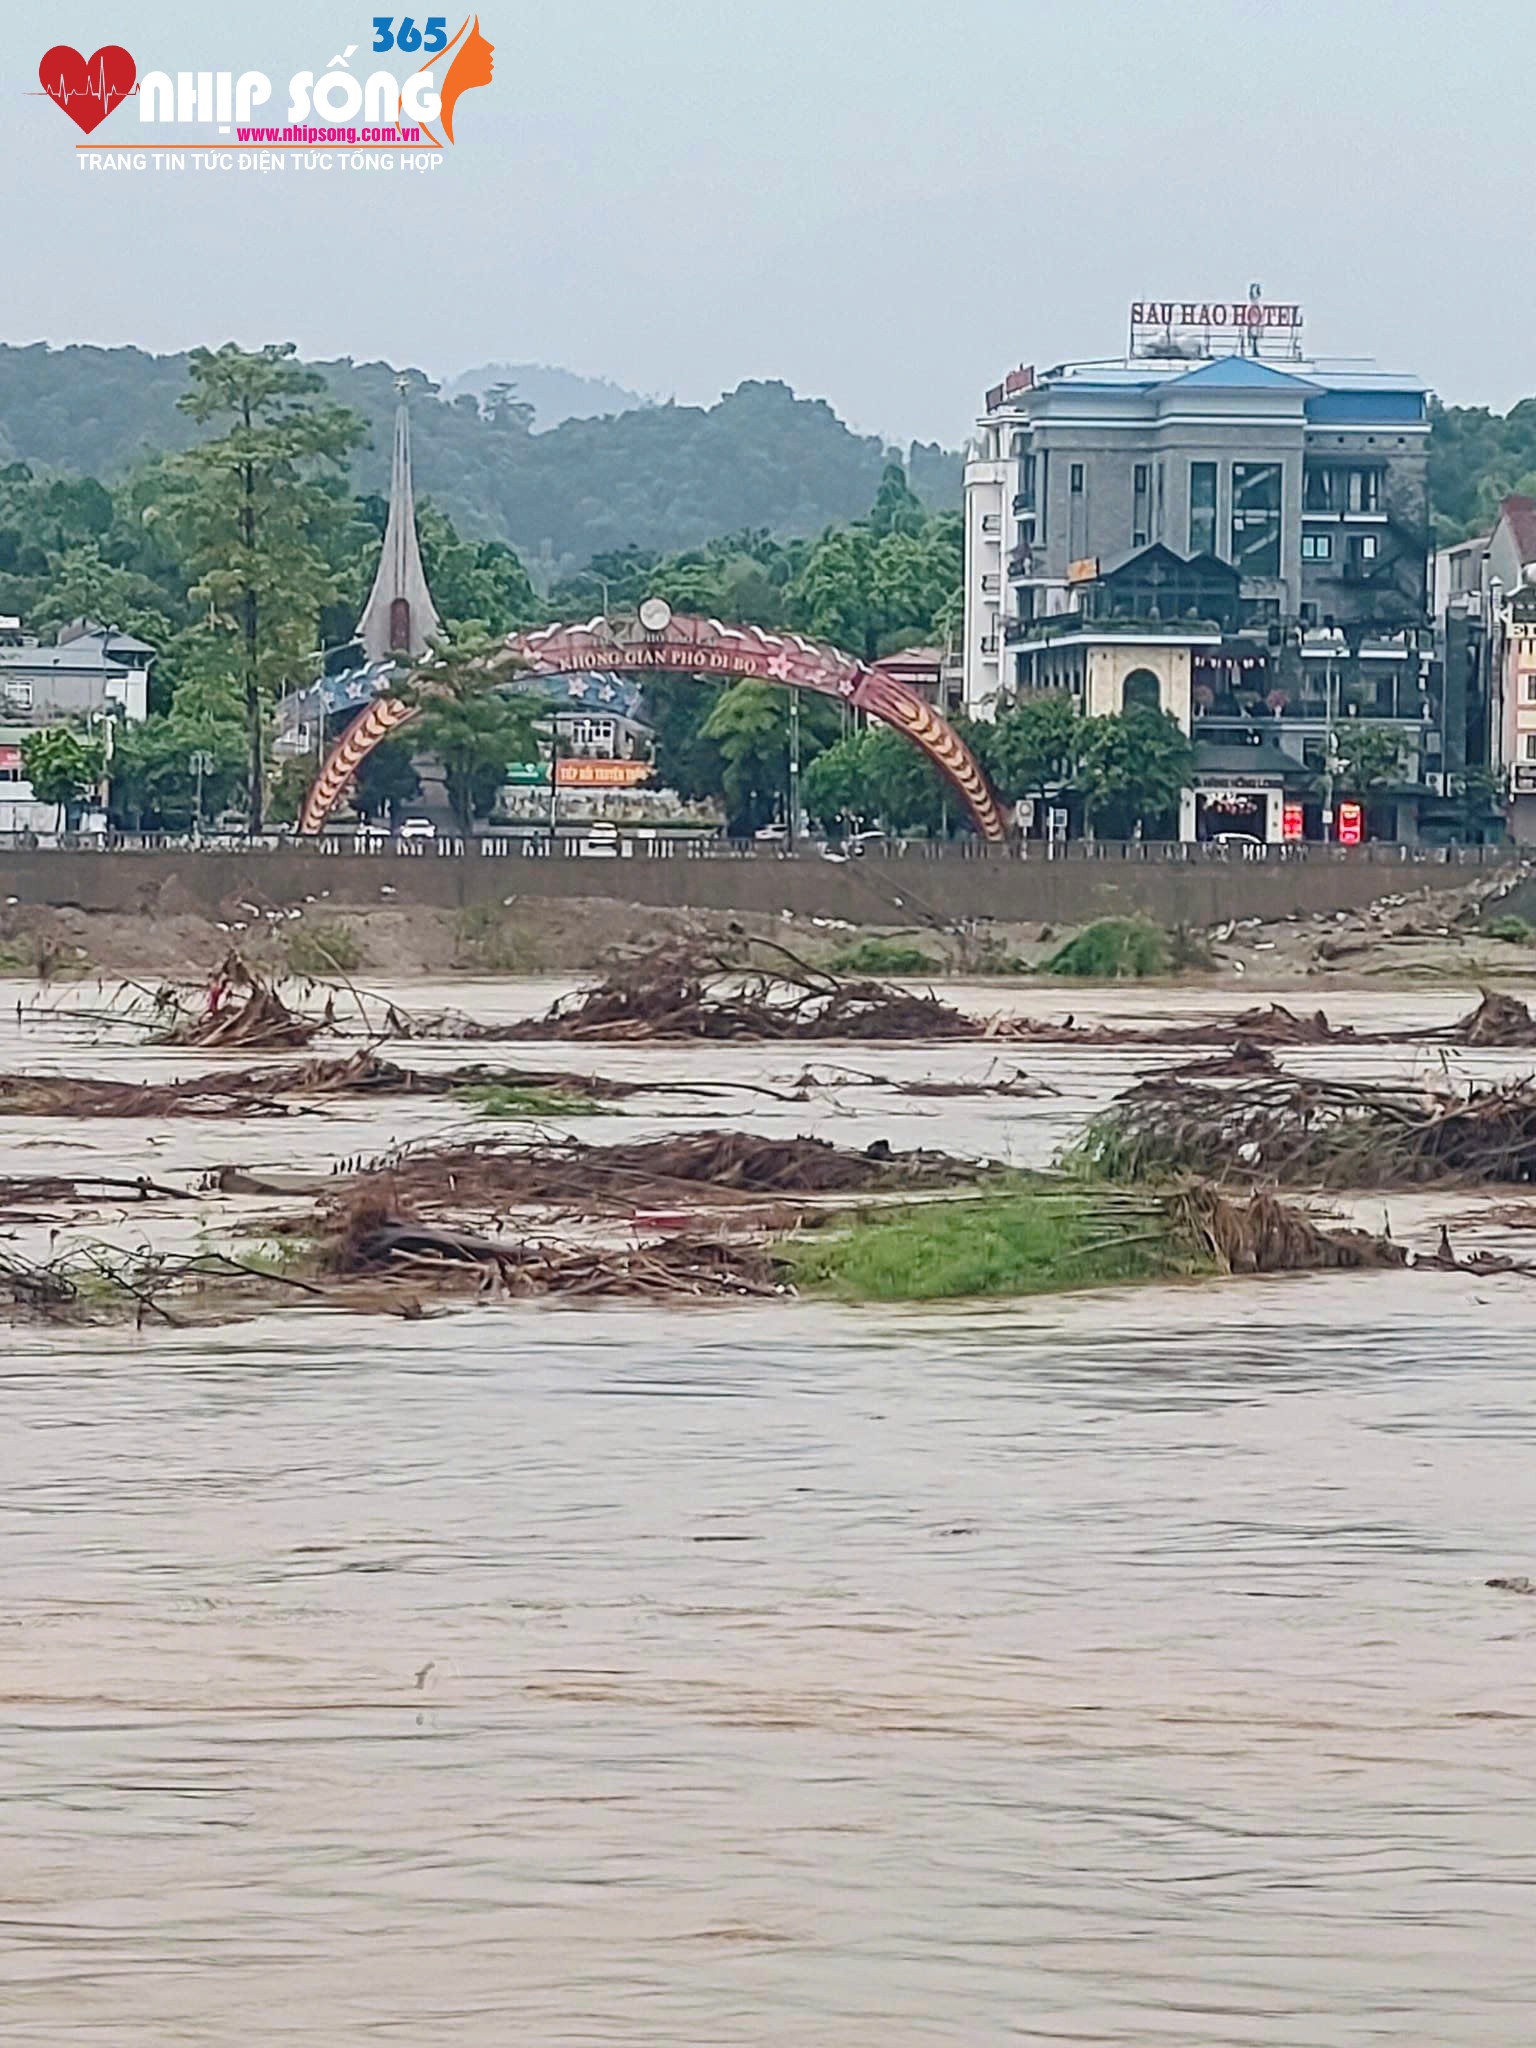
(240, 1007)
(703, 1166)
(273, 1091)
(370, 1236)
(1297, 1130)
(681, 991)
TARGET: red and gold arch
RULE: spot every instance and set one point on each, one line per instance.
(692, 646)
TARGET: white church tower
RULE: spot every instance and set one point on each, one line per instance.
(399, 617)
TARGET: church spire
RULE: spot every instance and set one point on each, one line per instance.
(399, 615)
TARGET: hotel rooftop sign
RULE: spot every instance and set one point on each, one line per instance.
(1191, 327)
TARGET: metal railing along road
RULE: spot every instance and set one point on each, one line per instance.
(662, 846)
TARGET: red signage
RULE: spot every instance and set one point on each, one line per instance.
(1022, 379)
(1233, 313)
(1351, 824)
(1293, 823)
(579, 772)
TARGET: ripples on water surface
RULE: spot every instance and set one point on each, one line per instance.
(1117, 1670)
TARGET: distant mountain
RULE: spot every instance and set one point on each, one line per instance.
(555, 395)
(655, 476)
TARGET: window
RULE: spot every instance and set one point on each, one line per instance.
(991, 522)
(1528, 689)
(1202, 508)
(1256, 517)
(1317, 492)
(18, 696)
(1365, 490)
(1141, 686)
(1077, 513)
(1141, 518)
(1019, 443)
(1363, 546)
(1528, 746)
(1317, 547)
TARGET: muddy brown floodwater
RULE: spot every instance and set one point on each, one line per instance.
(1116, 1669)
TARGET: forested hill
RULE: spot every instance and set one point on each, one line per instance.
(663, 477)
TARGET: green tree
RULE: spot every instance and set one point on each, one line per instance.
(1132, 767)
(386, 783)
(908, 792)
(248, 513)
(1370, 758)
(877, 774)
(1032, 747)
(479, 581)
(473, 730)
(750, 726)
(835, 787)
(155, 782)
(62, 768)
(678, 708)
(896, 509)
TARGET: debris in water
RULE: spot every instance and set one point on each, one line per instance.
(1305, 1130)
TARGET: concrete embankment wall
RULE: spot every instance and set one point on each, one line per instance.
(871, 891)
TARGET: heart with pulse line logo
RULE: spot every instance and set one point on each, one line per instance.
(87, 88)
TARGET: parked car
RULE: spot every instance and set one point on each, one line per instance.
(600, 841)
(418, 828)
(771, 835)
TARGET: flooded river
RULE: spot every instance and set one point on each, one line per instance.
(1111, 1670)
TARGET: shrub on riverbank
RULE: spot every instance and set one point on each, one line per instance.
(884, 956)
(1113, 949)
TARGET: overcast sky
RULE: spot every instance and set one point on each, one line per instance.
(885, 202)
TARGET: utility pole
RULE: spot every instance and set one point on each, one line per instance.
(793, 820)
(554, 778)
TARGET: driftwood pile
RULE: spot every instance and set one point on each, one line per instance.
(272, 1091)
(372, 1238)
(1266, 1235)
(256, 1020)
(679, 991)
(1295, 1130)
(697, 1166)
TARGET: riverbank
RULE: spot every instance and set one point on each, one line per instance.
(1426, 934)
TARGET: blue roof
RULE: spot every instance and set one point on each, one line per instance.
(1231, 372)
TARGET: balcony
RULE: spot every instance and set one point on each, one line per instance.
(1021, 562)
(1023, 501)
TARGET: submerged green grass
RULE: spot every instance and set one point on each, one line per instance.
(500, 1099)
(1023, 1242)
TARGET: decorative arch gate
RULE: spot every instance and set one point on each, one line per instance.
(657, 640)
